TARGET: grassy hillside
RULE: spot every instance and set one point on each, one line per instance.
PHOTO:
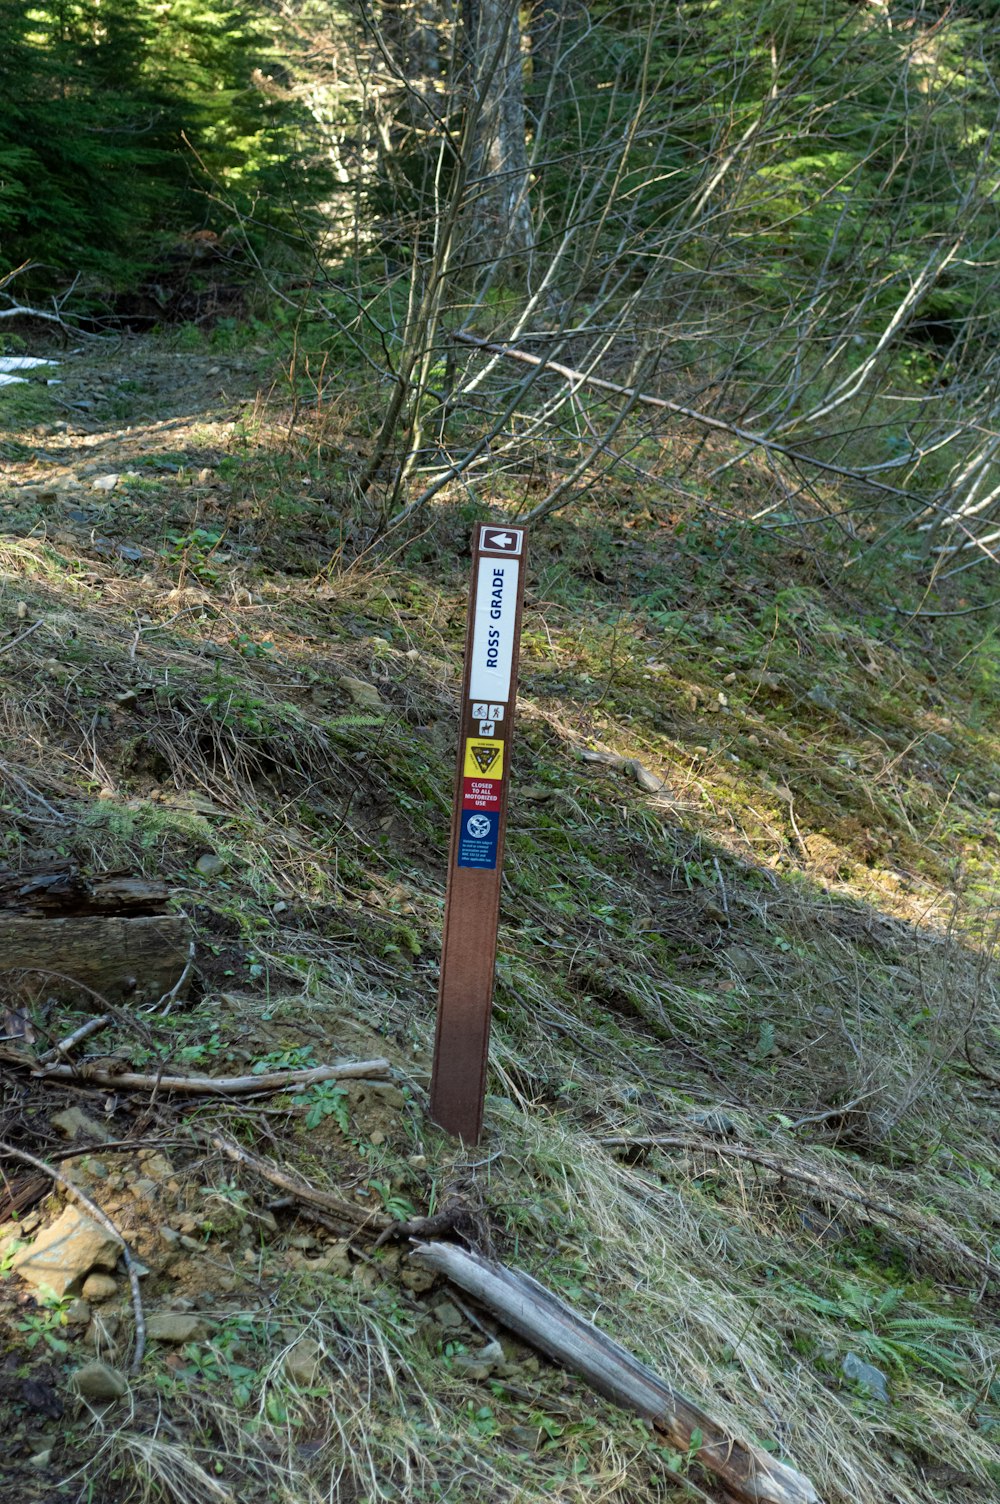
(749, 910)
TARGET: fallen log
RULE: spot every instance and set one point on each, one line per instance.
(67, 893)
(746, 1474)
(119, 958)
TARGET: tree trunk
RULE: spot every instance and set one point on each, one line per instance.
(497, 225)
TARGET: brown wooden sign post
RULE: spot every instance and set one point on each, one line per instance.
(479, 817)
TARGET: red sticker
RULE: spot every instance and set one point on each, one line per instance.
(480, 793)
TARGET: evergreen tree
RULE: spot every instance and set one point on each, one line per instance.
(124, 118)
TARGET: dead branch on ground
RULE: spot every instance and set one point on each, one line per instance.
(923, 1224)
(299, 1190)
(747, 1474)
(222, 1086)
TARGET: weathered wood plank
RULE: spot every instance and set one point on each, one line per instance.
(118, 958)
(67, 892)
(747, 1474)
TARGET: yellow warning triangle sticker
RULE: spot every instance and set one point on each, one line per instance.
(483, 759)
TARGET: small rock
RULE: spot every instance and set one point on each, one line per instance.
(334, 1259)
(378, 1138)
(99, 1382)
(491, 1357)
(156, 1166)
(361, 692)
(387, 1094)
(448, 1316)
(175, 1327)
(417, 1161)
(867, 1375)
(41, 1398)
(209, 864)
(74, 1123)
(65, 1252)
(820, 696)
(302, 1362)
(993, 797)
(105, 482)
(42, 1459)
(77, 1313)
(98, 1288)
(417, 1280)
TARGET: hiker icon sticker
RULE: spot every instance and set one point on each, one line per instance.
(483, 758)
(477, 840)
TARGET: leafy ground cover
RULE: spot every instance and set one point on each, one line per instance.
(742, 1106)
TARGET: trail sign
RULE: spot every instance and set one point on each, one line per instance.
(472, 904)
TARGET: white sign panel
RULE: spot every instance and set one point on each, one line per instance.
(493, 633)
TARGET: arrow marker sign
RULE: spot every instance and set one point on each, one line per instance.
(497, 540)
(472, 904)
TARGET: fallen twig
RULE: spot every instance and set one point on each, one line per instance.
(746, 1473)
(6, 647)
(923, 1223)
(300, 1190)
(832, 1112)
(224, 1086)
(455, 1219)
(93, 1210)
(167, 1000)
(65, 1046)
(979, 1070)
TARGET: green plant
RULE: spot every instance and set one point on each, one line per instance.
(395, 1205)
(45, 1323)
(326, 1100)
(192, 553)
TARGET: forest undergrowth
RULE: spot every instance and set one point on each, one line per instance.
(743, 1091)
